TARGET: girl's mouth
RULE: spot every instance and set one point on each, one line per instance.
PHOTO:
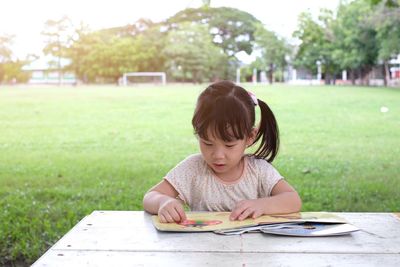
(219, 166)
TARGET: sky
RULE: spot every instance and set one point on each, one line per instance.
(25, 18)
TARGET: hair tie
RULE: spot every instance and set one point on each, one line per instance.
(253, 97)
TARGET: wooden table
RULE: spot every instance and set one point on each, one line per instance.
(128, 238)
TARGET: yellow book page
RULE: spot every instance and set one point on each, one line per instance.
(211, 221)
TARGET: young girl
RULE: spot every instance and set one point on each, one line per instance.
(223, 177)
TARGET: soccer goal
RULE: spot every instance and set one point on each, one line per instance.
(144, 77)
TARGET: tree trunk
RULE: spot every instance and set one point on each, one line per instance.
(327, 78)
(352, 77)
(360, 76)
(60, 73)
(271, 73)
(386, 73)
(59, 60)
(366, 75)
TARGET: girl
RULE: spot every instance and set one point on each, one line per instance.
(223, 177)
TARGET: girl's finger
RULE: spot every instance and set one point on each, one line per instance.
(256, 214)
(181, 212)
(175, 215)
(236, 212)
(161, 218)
(246, 213)
(168, 217)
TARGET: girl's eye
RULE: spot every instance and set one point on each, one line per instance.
(230, 145)
(207, 144)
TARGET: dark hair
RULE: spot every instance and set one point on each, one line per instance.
(228, 110)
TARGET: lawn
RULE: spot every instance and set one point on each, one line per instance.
(67, 151)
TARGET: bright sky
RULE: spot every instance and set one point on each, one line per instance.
(25, 18)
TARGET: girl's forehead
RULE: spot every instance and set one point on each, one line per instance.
(214, 139)
(213, 135)
(212, 131)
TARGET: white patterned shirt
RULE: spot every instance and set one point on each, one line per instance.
(202, 190)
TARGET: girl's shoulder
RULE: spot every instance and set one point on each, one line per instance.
(196, 156)
(256, 161)
(264, 170)
(258, 164)
(192, 162)
(194, 159)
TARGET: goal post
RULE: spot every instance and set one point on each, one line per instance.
(162, 75)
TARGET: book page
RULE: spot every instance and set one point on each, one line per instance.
(211, 221)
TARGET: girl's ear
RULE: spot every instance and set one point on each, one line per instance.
(252, 136)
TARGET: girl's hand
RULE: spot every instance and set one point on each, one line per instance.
(253, 208)
(171, 211)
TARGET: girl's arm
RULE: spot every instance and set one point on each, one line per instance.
(283, 199)
(162, 200)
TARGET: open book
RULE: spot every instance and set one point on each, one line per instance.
(295, 224)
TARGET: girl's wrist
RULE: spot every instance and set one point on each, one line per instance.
(264, 205)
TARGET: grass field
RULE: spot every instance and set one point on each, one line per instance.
(65, 152)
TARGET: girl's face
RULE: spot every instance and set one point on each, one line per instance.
(224, 158)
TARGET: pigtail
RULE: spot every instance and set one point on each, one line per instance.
(268, 133)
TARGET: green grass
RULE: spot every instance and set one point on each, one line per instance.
(65, 152)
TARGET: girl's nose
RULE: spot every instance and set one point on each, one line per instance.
(218, 153)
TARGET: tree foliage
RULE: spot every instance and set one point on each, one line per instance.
(387, 3)
(199, 44)
(231, 29)
(58, 38)
(273, 49)
(103, 56)
(5, 48)
(356, 44)
(191, 54)
(317, 43)
(364, 33)
(10, 68)
(386, 20)
(219, 34)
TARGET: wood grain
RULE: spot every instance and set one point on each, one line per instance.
(130, 239)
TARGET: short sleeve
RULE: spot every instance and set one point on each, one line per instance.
(268, 176)
(182, 176)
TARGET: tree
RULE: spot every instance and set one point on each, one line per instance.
(10, 67)
(13, 73)
(273, 49)
(81, 46)
(153, 42)
(231, 29)
(58, 33)
(386, 20)
(317, 39)
(153, 38)
(356, 47)
(206, 2)
(386, 3)
(140, 26)
(106, 54)
(98, 57)
(191, 55)
(5, 53)
(5, 47)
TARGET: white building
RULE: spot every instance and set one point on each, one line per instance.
(42, 73)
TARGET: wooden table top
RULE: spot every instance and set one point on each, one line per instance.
(128, 238)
